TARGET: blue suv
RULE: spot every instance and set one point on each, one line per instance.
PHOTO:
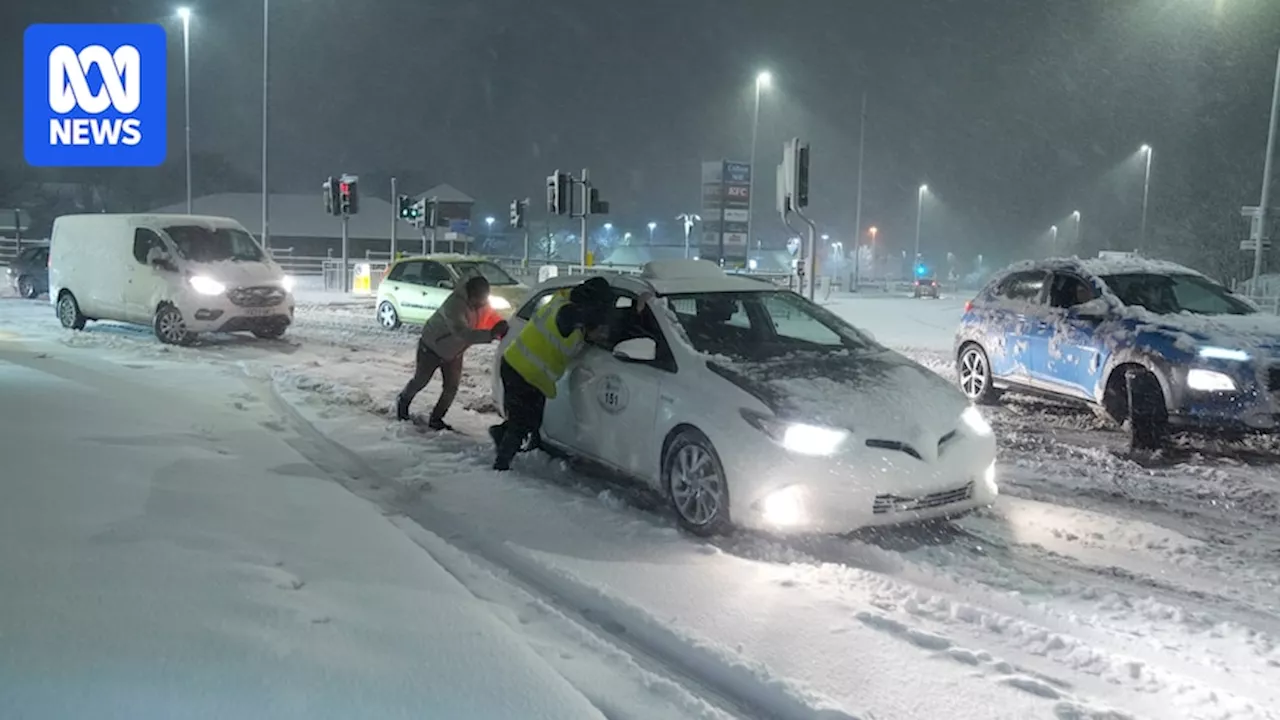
(1151, 342)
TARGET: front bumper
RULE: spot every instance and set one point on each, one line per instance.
(216, 313)
(1253, 408)
(865, 488)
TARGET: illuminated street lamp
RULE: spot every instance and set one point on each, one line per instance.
(185, 14)
(1146, 193)
(763, 80)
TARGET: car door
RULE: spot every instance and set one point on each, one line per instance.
(614, 402)
(144, 283)
(1014, 306)
(1068, 358)
(405, 287)
(437, 285)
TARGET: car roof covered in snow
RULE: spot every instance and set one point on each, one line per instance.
(672, 277)
(1102, 266)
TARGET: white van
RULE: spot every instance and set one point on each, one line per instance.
(180, 274)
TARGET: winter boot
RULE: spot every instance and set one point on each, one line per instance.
(402, 408)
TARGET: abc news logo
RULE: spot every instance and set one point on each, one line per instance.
(69, 89)
(94, 95)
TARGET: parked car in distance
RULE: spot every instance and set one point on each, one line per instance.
(414, 287)
(179, 274)
(746, 405)
(28, 272)
(1191, 354)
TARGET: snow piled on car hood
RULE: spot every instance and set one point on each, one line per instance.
(869, 391)
(1254, 332)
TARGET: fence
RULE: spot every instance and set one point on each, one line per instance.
(9, 248)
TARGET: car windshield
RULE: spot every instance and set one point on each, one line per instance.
(488, 270)
(762, 325)
(1172, 294)
(204, 244)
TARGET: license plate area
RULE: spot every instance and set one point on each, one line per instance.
(258, 312)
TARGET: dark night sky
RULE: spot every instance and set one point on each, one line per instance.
(1014, 111)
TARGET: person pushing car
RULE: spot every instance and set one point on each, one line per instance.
(534, 362)
(453, 328)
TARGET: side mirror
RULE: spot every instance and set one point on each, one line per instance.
(446, 284)
(636, 350)
(163, 262)
(1094, 311)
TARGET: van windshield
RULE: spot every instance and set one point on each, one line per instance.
(205, 244)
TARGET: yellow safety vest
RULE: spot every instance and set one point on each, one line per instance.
(540, 353)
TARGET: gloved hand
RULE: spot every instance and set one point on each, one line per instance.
(500, 328)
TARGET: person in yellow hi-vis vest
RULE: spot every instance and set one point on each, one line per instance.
(533, 363)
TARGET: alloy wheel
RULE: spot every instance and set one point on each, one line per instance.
(697, 487)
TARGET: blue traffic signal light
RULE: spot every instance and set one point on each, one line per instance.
(921, 269)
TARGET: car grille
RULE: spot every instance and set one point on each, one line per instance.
(265, 296)
(885, 504)
(1273, 379)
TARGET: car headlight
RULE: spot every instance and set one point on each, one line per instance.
(973, 420)
(783, 508)
(1221, 353)
(287, 282)
(207, 285)
(799, 438)
(499, 303)
(1209, 381)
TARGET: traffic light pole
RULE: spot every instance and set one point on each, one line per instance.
(346, 259)
(395, 220)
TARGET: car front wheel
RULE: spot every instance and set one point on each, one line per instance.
(387, 315)
(695, 482)
(973, 369)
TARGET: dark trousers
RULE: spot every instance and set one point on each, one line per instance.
(428, 362)
(523, 404)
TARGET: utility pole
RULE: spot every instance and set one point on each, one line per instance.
(266, 206)
(1267, 169)
(857, 213)
(586, 210)
(395, 218)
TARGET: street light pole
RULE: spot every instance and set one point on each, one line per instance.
(919, 214)
(185, 14)
(652, 226)
(857, 212)
(1075, 215)
(266, 42)
(1053, 239)
(1263, 205)
(762, 81)
(1146, 193)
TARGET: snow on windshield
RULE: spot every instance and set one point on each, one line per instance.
(206, 244)
(761, 325)
(1175, 293)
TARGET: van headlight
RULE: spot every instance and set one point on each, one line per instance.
(287, 282)
(799, 438)
(973, 420)
(499, 303)
(1209, 381)
(207, 286)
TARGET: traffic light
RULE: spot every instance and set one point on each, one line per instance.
(801, 199)
(349, 195)
(558, 193)
(921, 270)
(332, 201)
(517, 214)
(406, 207)
(596, 206)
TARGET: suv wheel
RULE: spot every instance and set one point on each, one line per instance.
(973, 370)
(27, 287)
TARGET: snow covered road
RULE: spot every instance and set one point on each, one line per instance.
(1098, 584)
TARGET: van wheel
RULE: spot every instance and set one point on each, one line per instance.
(69, 312)
(170, 327)
(27, 287)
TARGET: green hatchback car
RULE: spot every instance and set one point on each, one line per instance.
(414, 287)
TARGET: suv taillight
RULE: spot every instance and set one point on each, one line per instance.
(968, 305)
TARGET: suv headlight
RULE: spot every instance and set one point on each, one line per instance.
(799, 438)
(972, 419)
(1209, 381)
(207, 285)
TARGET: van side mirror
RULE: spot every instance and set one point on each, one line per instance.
(636, 350)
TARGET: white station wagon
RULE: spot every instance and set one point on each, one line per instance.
(747, 405)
